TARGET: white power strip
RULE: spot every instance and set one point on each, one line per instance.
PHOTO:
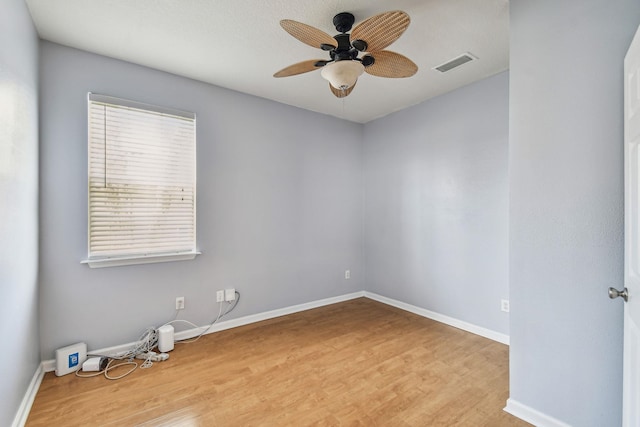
(153, 356)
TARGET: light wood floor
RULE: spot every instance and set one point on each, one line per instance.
(357, 363)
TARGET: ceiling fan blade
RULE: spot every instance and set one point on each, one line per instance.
(381, 30)
(341, 93)
(391, 64)
(299, 68)
(308, 34)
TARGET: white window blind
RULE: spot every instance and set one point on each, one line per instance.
(142, 181)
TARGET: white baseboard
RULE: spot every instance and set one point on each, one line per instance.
(253, 318)
(469, 327)
(50, 365)
(531, 415)
(27, 401)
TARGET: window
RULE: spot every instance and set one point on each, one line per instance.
(142, 183)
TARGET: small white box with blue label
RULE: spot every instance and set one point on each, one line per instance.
(70, 358)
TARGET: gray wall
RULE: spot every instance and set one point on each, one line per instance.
(279, 206)
(18, 205)
(436, 203)
(566, 200)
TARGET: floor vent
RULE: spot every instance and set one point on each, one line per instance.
(456, 62)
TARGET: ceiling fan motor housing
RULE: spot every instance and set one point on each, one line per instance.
(344, 51)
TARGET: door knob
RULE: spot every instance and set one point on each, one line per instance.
(614, 293)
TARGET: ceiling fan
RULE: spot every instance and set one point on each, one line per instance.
(369, 37)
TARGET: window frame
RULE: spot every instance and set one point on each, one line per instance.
(98, 261)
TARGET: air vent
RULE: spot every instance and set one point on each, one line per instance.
(456, 62)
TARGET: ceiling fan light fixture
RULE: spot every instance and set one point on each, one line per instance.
(342, 74)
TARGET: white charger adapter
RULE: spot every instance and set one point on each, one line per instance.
(95, 364)
(165, 338)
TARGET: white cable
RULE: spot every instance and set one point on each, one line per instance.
(218, 317)
(191, 340)
(108, 368)
(148, 341)
(183, 321)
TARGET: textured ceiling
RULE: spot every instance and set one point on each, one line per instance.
(239, 44)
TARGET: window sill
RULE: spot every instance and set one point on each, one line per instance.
(143, 259)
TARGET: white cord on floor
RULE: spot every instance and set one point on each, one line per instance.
(148, 341)
(106, 370)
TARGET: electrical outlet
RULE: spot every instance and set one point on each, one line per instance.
(347, 274)
(179, 303)
(220, 296)
(504, 305)
(229, 294)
